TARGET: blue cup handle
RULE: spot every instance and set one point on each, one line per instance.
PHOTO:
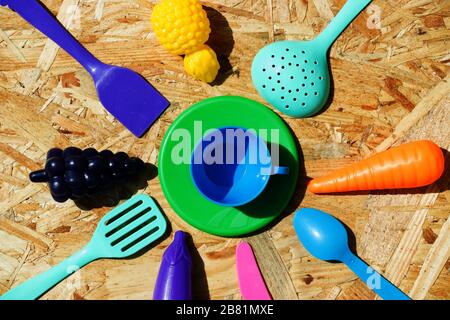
(280, 170)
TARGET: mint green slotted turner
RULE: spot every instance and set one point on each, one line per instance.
(293, 76)
(124, 231)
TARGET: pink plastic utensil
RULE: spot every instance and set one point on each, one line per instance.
(251, 282)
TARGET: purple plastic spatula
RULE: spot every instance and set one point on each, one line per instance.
(123, 92)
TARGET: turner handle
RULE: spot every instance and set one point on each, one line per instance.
(40, 284)
(348, 13)
(44, 21)
(373, 279)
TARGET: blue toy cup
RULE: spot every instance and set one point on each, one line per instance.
(232, 166)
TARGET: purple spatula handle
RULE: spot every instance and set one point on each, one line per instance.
(41, 19)
(174, 278)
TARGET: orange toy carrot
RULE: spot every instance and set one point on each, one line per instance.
(410, 165)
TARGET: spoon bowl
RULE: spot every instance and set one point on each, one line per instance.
(321, 234)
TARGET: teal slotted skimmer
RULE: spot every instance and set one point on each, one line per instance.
(293, 76)
(124, 231)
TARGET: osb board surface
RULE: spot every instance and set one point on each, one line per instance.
(390, 86)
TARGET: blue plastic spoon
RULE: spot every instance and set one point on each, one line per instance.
(325, 238)
(123, 92)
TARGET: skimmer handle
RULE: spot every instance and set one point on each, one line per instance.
(348, 13)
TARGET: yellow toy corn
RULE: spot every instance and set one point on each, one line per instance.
(182, 27)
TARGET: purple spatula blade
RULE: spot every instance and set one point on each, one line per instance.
(129, 98)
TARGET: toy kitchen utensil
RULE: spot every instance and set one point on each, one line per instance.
(232, 166)
(294, 76)
(174, 281)
(124, 231)
(325, 238)
(251, 282)
(123, 92)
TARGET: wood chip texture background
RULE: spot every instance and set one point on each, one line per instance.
(391, 85)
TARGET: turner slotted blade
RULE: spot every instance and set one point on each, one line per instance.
(124, 231)
(129, 227)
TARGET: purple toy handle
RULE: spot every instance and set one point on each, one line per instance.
(174, 278)
(41, 19)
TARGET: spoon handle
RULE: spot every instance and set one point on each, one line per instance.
(373, 279)
(35, 287)
(347, 14)
(44, 21)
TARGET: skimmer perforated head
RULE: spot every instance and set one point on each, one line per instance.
(293, 77)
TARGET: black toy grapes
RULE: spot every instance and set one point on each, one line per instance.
(106, 154)
(55, 152)
(74, 179)
(54, 166)
(58, 186)
(89, 152)
(73, 173)
(71, 151)
(105, 181)
(96, 164)
(77, 163)
(91, 179)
